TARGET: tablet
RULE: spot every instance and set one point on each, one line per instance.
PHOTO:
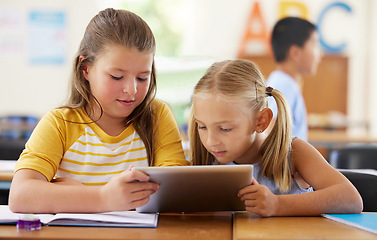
(197, 188)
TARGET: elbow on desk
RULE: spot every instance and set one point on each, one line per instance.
(354, 202)
(354, 207)
(15, 205)
(19, 201)
(20, 204)
(347, 200)
(358, 204)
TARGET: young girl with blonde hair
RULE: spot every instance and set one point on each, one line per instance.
(228, 126)
(80, 156)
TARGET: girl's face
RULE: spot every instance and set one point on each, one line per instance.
(225, 130)
(119, 79)
(310, 55)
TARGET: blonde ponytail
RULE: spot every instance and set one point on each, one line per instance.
(275, 148)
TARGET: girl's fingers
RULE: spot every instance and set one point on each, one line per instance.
(138, 196)
(248, 196)
(250, 203)
(144, 186)
(131, 175)
(247, 190)
(138, 203)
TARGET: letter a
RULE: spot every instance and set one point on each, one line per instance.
(255, 40)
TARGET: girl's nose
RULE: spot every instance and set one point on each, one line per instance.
(129, 86)
(212, 140)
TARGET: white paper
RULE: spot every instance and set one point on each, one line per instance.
(115, 219)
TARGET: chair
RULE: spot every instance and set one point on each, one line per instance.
(354, 157)
(4, 194)
(366, 184)
(10, 149)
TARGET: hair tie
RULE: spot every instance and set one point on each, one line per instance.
(269, 91)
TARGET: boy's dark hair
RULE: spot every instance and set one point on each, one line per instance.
(287, 32)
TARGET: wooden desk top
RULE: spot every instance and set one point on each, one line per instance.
(336, 137)
(204, 226)
(170, 226)
(6, 176)
(248, 226)
(6, 170)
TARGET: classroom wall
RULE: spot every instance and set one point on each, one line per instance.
(372, 69)
(27, 85)
(219, 33)
(213, 29)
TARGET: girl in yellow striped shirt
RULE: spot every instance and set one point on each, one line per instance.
(80, 156)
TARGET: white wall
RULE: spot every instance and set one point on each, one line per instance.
(35, 89)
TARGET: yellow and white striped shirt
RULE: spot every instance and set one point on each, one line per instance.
(65, 145)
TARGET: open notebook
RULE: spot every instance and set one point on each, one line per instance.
(107, 219)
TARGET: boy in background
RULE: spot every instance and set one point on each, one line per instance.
(296, 50)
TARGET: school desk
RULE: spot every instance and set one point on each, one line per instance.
(248, 226)
(337, 138)
(170, 226)
(199, 226)
(6, 170)
(325, 140)
(6, 176)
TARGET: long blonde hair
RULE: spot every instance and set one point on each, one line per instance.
(242, 81)
(112, 27)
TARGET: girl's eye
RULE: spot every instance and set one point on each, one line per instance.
(202, 127)
(226, 129)
(116, 78)
(142, 79)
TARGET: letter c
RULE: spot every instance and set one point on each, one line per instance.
(328, 47)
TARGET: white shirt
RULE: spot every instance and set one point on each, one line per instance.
(290, 89)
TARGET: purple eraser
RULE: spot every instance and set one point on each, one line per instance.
(29, 223)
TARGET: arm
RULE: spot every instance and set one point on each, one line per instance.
(33, 189)
(333, 192)
(32, 193)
